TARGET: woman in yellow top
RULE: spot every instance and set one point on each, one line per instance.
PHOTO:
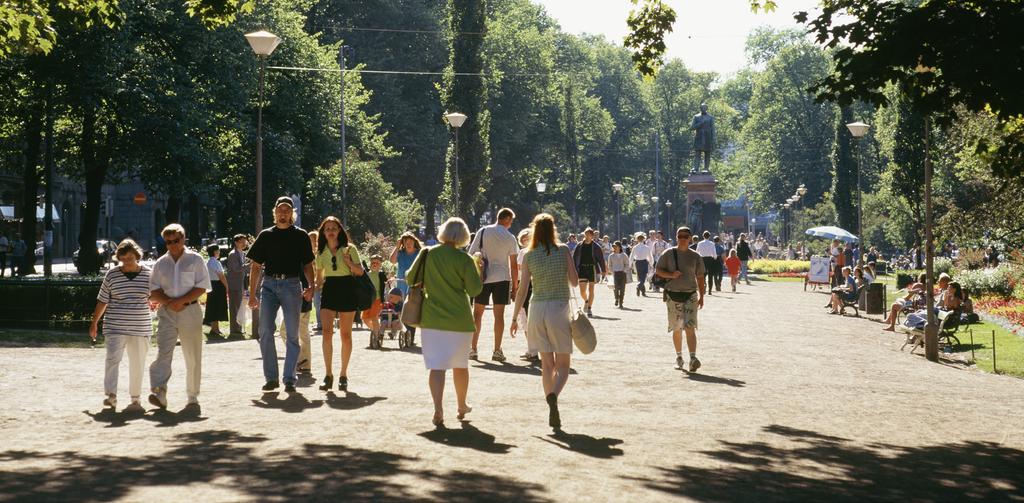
(337, 264)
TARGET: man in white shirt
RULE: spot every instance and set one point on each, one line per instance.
(641, 257)
(499, 249)
(178, 279)
(709, 253)
(657, 248)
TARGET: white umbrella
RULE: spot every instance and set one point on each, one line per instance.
(832, 232)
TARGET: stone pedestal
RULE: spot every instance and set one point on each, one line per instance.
(703, 213)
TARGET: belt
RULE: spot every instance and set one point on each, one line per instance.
(282, 276)
(193, 302)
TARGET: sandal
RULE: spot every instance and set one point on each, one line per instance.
(463, 412)
(438, 420)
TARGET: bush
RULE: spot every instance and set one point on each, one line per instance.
(778, 266)
(66, 302)
(942, 265)
(998, 281)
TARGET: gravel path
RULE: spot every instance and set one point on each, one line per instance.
(791, 404)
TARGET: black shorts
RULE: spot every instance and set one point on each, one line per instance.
(339, 294)
(501, 291)
(587, 272)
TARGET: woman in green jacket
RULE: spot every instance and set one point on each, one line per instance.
(450, 278)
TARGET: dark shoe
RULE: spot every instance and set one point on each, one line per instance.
(554, 420)
(343, 383)
(328, 383)
(289, 388)
(271, 386)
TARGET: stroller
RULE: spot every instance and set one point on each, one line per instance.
(391, 323)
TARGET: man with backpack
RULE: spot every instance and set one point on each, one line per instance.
(683, 269)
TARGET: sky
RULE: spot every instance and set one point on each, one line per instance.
(708, 35)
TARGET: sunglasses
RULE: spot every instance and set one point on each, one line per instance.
(334, 263)
(173, 241)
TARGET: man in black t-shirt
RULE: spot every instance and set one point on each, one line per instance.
(744, 254)
(279, 256)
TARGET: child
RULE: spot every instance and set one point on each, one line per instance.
(379, 280)
(391, 311)
(618, 262)
(733, 264)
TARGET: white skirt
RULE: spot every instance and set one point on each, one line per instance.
(444, 349)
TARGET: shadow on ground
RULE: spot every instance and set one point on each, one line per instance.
(467, 436)
(604, 448)
(816, 467)
(311, 472)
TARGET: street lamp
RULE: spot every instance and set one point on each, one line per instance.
(785, 221)
(657, 212)
(668, 204)
(263, 44)
(617, 190)
(858, 130)
(343, 52)
(541, 186)
(456, 120)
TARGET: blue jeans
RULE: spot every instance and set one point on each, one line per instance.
(743, 270)
(277, 294)
(641, 276)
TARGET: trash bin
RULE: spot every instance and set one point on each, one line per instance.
(875, 298)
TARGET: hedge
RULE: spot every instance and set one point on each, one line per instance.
(54, 302)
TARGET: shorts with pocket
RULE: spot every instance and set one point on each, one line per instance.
(682, 315)
(500, 291)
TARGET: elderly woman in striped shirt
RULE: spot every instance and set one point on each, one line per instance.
(123, 304)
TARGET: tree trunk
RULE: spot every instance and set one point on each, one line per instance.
(173, 212)
(95, 171)
(30, 178)
(194, 229)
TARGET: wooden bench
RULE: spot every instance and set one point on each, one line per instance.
(949, 323)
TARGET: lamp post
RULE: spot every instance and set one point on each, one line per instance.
(753, 227)
(541, 187)
(263, 44)
(668, 204)
(617, 191)
(343, 52)
(858, 130)
(785, 221)
(455, 120)
(657, 212)
(640, 200)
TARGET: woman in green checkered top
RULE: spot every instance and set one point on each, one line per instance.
(550, 268)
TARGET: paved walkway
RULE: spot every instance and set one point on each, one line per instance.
(791, 404)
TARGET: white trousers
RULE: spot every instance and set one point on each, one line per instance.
(186, 326)
(137, 347)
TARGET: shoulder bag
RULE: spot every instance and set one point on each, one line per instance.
(412, 311)
(483, 255)
(659, 281)
(364, 288)
(583, 334)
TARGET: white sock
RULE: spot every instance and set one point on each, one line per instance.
(693, 355)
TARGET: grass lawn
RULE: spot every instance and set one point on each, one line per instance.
(38, 337)
(1009, 348)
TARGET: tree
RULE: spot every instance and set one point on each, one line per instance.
(844, 169)
(373, 204)
(466, 93)
(877, 43)
(33, 25)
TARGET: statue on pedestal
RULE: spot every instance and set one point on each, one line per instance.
(703, 126)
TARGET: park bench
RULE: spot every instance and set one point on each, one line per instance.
(852, 302)
(949, 324)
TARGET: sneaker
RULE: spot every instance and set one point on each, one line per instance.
(526, 357)
(289, 388)
(271, 386)
(110, 401)
(472, 354)
(159, 398)
(498, 356)
(694, 364)
(590, 313)
(679, 362)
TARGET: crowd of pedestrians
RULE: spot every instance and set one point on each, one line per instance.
(290, 278)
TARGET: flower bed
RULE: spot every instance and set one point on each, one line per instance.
(1011, 310)
(770, 267)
